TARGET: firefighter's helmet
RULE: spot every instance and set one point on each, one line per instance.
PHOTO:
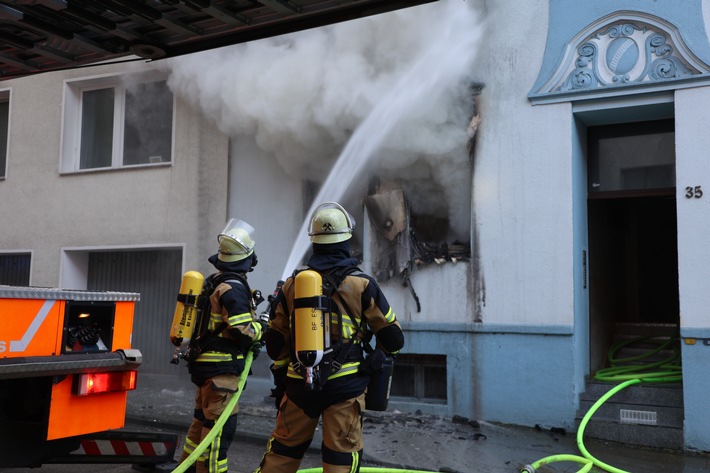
(331, 223)
(236, 241)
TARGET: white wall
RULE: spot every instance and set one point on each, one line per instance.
(262, 194)
(128, 208)
(693, 169)
(522, 191)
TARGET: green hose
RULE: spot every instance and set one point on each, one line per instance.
(664, 371)
(217, 429)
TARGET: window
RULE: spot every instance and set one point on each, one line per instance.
(117, 122)
(420, 377)
(15, 269)
(4, 129)
(632, 158)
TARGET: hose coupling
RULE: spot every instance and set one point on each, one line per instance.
(528, 469)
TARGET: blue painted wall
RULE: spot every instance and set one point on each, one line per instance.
(696, 388)
(510, 374)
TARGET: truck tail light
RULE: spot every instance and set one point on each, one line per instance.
(111, 381)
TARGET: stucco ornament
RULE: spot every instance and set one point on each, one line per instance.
(623, 50)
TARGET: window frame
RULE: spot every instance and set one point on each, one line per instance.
(74, 89)
(8, 257)
(6, 97)
(418, 363)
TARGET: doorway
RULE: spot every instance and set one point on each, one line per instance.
(632, 230)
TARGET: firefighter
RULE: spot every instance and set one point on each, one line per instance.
(229, 329)
(338, 397)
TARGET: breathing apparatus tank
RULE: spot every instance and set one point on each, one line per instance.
(184, 321)
(310, 325)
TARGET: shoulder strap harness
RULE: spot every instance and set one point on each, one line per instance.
(337, 353)
(204, 338)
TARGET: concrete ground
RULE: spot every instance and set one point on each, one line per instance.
(408, 440)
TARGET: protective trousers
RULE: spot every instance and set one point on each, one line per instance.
(210, 401)
(342, 438)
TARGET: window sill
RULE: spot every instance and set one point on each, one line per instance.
(122, 168)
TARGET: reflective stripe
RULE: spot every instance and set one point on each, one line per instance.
(257, 330)
(239, 319)
(355, 462)
(281, 363)
(215, 356)
(348, 328)
(215, 319)
(390, 316)
(346, 369)
(213, 460)
(190, 447)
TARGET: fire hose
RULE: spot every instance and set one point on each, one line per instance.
(664, 371)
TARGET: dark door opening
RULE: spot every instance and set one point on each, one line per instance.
(633, 257)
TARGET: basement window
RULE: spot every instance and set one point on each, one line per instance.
(421, 377)
(117, 122)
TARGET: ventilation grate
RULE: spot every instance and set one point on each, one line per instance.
(628, 416)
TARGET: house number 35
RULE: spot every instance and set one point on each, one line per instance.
(693, 192)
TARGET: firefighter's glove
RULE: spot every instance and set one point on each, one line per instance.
(256, 295)
(255, 348)
(374, 362)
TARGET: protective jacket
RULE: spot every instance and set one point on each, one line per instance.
(362, 306)
(232, 324)
(341, 400)
(216, 369)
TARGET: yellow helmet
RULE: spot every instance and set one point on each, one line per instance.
(331, 223)
(236, 241)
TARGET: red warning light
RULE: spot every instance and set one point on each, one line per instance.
(112, 381)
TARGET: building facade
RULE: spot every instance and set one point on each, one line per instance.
(582, 180)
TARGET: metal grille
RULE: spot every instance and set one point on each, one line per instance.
(156, 275)
(15, 269)
(628, 416)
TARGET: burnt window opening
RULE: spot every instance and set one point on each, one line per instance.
(403, 237)
(420, 220)
(422, 377)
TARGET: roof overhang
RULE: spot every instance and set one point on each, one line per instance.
(45, 35)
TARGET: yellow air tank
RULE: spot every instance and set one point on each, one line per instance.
(186, 308)
(309, 322)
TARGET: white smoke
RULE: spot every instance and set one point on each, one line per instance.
(303, 95)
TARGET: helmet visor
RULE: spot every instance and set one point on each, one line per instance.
(241, 232)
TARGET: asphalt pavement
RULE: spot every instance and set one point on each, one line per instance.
(399, 440)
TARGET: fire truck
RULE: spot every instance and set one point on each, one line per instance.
(66, 367)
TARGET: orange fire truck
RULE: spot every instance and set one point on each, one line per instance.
(66, 366)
